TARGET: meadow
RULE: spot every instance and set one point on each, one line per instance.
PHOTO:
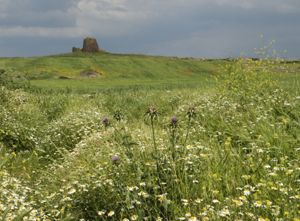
(150, 138)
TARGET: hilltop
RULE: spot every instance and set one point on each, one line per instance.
(104, 69)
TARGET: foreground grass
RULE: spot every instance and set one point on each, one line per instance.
(228, 152)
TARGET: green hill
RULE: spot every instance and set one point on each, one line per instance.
(82, 71)
(69, 70)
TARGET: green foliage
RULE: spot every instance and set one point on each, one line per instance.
(248, 79)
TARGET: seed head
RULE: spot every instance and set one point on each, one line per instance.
(118, 115)
(152, 112)
(191, 113)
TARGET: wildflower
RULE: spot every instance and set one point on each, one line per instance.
(198, 201)
(111, 213)
(250, 215)
(105, 121)
(132, 188)
(246, 177)
(272, 174)
(247, 192)
(72, 191)
(188, 215)
(185, 202)
(193, 218)
(191, 113)
(163, 198)
(101, 213)
(258, 204)
(134, 217)
(174, 121)
(143, 194)
(143, 184)
(224, 212)
(215, 201)
(115, 159)
(237, 202)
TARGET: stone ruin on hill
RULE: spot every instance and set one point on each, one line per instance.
(90, 45)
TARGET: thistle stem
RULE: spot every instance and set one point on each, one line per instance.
(187, 132)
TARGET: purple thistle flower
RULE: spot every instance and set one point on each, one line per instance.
(115, 159)
(105, 121)
(174, 121)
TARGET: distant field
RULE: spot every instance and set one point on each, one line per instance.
(113, 70)
(123, 71)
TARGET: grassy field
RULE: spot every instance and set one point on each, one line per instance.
(152, 138)
(114, 70)
(124, 71)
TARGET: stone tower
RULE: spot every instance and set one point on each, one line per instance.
(90, 45)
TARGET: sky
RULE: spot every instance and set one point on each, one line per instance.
(185, 28)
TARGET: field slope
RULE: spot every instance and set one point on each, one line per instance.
(113, 70)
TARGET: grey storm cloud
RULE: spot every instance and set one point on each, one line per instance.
(201, 28)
